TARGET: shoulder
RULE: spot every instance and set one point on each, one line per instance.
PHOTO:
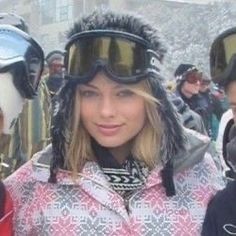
(227, 116)
(227, 196)
(19, 178)
(220, 216)
(24, 187)
(28, 172)
(197, 162)
(196, 146)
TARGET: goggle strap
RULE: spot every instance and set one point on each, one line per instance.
(153, 61)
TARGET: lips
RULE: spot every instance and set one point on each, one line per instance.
(109, 130)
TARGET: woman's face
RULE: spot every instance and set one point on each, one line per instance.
(110, 112)
(190, 89)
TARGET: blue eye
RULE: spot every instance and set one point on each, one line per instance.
(88, 93)
(125, 93)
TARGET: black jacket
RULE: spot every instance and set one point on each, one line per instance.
(220, 218)
(208, 106)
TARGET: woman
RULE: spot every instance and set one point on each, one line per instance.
(21, 61)
(120, 163)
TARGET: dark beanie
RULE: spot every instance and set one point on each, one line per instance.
(183, 68)
(181, 72)
(54, 55)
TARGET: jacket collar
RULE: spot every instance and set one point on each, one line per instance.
(195, 149)
(91, 180)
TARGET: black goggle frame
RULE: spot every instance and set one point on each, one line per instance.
(223, 56)
(151, 60)
(17, 47)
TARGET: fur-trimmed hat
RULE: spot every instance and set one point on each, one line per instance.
(173, 138)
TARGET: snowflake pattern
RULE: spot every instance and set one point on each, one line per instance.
(90, 207)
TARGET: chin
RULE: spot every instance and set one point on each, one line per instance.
(110, 143)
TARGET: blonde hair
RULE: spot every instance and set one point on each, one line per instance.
(146, 145)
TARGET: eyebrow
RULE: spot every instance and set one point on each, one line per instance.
(89, 85)
(117, 86)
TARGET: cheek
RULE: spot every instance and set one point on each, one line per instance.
(234, 114)
(195, 88)
(136, 112)
(232, 96)
(190, 87)
(86, 112)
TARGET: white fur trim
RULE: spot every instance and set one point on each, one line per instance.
(11, 102)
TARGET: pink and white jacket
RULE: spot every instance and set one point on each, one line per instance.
(89, 206)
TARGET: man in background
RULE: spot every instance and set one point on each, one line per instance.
(55, 77)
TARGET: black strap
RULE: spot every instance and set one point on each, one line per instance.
(2, 199)
(167, 179)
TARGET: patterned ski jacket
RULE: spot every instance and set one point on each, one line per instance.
(89, 206)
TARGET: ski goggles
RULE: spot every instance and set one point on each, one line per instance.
(18, 47)
(125, 58)
(193, 77)
(223, 56)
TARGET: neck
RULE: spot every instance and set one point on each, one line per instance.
(121, 153)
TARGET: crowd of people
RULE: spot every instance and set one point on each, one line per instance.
(100, 146)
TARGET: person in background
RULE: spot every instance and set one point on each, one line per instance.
(120, 162)
(31, 130)
(220, 218)
(55, 77)
(190, 119)
(21, 65)
(188, 80)
(219, 93)
(213, 107)
(185, 96)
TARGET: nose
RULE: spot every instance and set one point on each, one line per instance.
(107, 107)
(198, 83)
